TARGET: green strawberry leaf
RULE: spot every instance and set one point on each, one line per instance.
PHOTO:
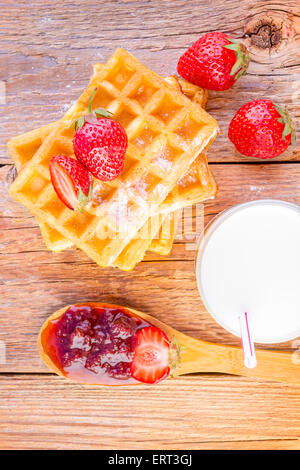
(286, 131)
(83, 199)
(232, 47)
(242, 56)
(79, 123)
(103, 112)
(285, 119)
(89, 196)
(236, 66)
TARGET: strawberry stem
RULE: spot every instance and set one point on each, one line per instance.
(91, 100)
(97, 112)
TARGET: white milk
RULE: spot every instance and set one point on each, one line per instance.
(249, 260)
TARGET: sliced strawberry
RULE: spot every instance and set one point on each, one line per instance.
(150, 362)
(71, 180)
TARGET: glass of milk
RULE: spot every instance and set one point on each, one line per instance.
(248, 260)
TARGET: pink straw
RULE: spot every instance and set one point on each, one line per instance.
(248, 345)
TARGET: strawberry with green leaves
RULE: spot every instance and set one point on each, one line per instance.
(71, 181)
(261, 129)
(100, 143)
(214, 62)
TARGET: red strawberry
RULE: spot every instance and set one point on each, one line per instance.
(100, 143)
(214, 62)
(150, 362)
(71, 180)
(261, 129)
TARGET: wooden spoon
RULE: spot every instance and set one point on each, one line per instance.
(202, 356)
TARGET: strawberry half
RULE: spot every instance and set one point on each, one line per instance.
(71, 181)
(150, 362)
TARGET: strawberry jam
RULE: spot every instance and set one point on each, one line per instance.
(93, 344)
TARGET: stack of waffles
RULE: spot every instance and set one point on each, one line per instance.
(165, 167)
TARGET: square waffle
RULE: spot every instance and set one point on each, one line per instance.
(158, 119)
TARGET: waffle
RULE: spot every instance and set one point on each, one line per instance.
(158, 120)
(163, 242)
(23, 147)
(199, 180)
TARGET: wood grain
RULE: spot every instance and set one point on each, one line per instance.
(37, 282)
(47, 49)
(43, 412)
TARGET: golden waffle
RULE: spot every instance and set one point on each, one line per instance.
(158, 120)
(199, 181)
(162, 243)
(23, 147)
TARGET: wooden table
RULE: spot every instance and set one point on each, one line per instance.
(47, 49)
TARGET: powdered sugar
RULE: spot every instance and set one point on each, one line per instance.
(163, 163)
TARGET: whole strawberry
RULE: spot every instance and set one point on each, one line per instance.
(71, 181)
(214, 62)
(100, 143)
(261, 129)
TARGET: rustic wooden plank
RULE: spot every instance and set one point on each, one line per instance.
(46, 412)
(48, 49)
(35, 282)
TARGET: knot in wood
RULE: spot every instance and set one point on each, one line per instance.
(264, 33)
